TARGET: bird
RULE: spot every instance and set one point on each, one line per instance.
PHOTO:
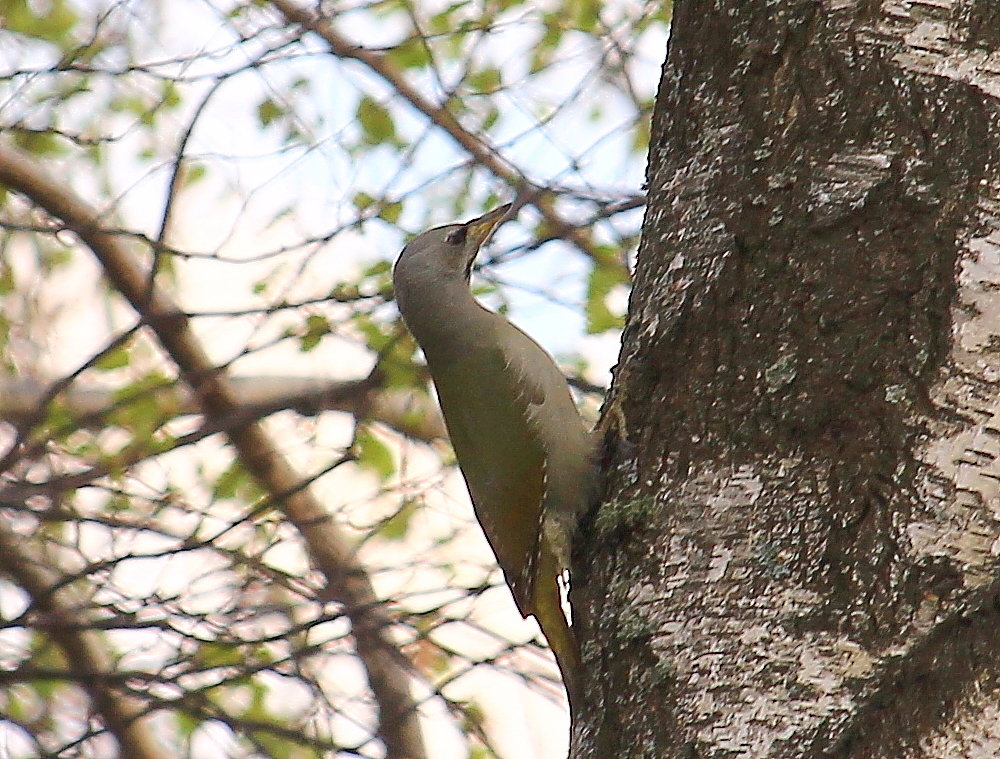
(525, 452)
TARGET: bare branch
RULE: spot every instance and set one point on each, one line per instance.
(409, 412)
(87, 652)
(477, 147)
(347, 581)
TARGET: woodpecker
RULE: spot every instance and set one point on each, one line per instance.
(522, 446)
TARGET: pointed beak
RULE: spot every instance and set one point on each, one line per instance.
(480, 229)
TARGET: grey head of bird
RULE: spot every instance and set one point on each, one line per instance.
(442, 256)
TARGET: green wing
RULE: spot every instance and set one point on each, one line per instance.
(504, 469)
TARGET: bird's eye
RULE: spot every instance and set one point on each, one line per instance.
(456, 237)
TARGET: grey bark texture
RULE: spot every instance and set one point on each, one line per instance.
(797, 553)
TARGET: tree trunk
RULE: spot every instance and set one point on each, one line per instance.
(797, 552)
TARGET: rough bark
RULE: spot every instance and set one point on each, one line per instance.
(798, 551)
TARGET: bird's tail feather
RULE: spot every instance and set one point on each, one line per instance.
(549, 613)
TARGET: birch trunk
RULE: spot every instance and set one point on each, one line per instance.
(797, 555)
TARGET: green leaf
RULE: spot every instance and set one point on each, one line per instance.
(397, 526)
(345, 291)
(7, 280)
(193, 173)
(54, 21)
(396, 348)
(142, 415)
(641, 135)
(473, 717)
(317, 326)
(362, 200)
(20, 704)
(374, 455)
(268, 111)
(442, 22)
(228, 482)
(119, 504)
(602, 280)
(186, 724)
(376, 336)
(377, 126)
(585, 14)
(380, 268)
(276, 744)
(39, 143)
(391, 212)
(485, 81)
(53, 256)
(171, 94)
(235, 483)
(411, 54)
(143, 385)
(492, 117)
(545, 48)
(217, 654)
(117, 358)
(58, 417)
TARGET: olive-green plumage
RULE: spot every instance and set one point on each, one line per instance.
(521, 444)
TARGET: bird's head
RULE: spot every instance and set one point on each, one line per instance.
(444, 253)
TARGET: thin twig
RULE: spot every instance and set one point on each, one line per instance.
(347, 580)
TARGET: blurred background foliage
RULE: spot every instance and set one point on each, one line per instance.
(266, 161)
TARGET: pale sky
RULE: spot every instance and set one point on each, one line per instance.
(227, 213)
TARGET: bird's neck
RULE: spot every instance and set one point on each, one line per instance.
(445, 318)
